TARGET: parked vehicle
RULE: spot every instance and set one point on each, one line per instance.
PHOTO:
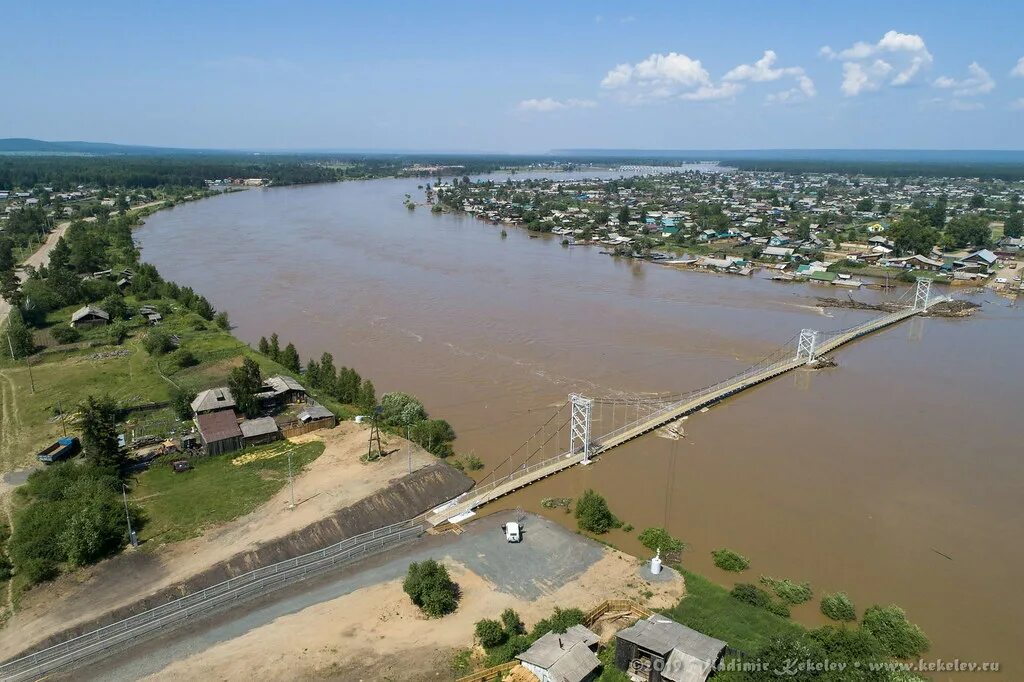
(180, 465)
(62, 449)
(512, 532)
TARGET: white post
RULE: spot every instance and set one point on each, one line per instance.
(579, 425)
(806, 344)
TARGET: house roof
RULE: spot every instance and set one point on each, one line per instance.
(217, 426)
(682, 667)
(573, 645)
(313, 412)
(86, 311)
(661, 635)
(282, 384)
(984, 255)
(261, 426)
(213, 399)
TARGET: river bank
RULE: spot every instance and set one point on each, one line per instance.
(493, 333)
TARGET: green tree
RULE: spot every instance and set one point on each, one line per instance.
(290, 358)
(98, 421)
(367, 395)
(244, 383)
(512, 623)
(10, 288)
(431, 588)
(181, 403)
(911, 235)
(900, 637)
(1013, 226)
(275, 347)
(434, 435)
(401, 409)
(977, 201)
(593, 514)
(19, 337)
(222, 321)
(559, 621)
(264, 346)
(490, 633)
(623, 215)
(969, 230)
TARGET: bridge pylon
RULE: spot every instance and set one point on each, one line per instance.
(805, 346)
(922, 293)
(579, 425)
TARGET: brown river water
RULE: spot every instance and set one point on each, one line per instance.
(896, 477)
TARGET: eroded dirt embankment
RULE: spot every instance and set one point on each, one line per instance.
(403, 499)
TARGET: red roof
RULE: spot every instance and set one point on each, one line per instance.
(217, 426)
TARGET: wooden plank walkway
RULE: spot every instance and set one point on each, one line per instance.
(524, 477)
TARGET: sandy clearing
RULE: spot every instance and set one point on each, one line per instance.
(333, 481)
(376, 633)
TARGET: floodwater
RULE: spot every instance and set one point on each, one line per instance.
(895, 477)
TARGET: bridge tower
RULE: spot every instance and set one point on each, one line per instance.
(806, 344)
(922, 293)
(579, 425)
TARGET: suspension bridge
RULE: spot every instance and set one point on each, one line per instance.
(594, 426)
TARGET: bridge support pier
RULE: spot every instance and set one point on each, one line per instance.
(806, 344)
(579, 425)
(922, 293)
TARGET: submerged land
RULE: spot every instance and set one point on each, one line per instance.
(231, 512)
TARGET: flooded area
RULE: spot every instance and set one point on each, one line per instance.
(895, 477)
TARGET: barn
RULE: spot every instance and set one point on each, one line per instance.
(659, 649)
(219, 432)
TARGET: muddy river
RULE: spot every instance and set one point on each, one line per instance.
(896, 476)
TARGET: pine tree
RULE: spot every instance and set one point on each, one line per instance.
(19, 336)
(98, 419)
(264, 346)
(275, 347)
(290, 358)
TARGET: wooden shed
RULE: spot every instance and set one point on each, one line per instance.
(219, 432)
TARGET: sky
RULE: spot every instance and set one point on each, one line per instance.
(522, 77)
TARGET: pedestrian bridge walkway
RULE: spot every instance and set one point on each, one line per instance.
(643, 415)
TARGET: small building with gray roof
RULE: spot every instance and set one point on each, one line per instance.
(659, 649)
(563, 657)
(213, 400)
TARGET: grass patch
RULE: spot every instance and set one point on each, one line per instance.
(179, 506)
(709, 608)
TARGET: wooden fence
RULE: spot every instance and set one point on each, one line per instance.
(589, 618)
(297, 428)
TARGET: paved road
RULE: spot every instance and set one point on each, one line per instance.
(549, 557)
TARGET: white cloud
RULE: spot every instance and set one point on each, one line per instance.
(1017, 104)
(1018, 71)
(896, 59)
(764, 71)
(665, 76)
(978, 82)
(550, 104)
(713, 92)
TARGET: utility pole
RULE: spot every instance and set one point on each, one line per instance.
(131, 533)
(408, 446)
(31, 379)
(291, 481)
(63, 426)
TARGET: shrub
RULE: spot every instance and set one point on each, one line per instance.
(728, 560)
(839, 607)
(508, 651)
(512, 623)
(157, 342)
(787, 590)
(755, 596)
(431, 588)
(183, 358)
(63, 334)
(900, 637)
(181, 402)
(490, 633)
(559, 621)
(118, 332)
(659, 538)
(473, 463)
(592, 513)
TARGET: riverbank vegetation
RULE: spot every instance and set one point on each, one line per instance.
(593, 514)
(728, 560)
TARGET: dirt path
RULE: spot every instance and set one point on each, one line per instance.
(11, 421)
(333, 481)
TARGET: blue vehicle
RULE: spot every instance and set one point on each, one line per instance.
(62, 449)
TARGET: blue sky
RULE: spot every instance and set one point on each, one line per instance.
(517, 77)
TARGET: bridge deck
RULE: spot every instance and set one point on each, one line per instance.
(480, 496)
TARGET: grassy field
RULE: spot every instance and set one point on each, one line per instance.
(710, 609)
(63, 376)
(178, 506)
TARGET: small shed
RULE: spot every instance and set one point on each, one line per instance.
(259, 431)
(563, 657)
(219, 432)
(659, 649)
(282, 390)
(89, 316)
